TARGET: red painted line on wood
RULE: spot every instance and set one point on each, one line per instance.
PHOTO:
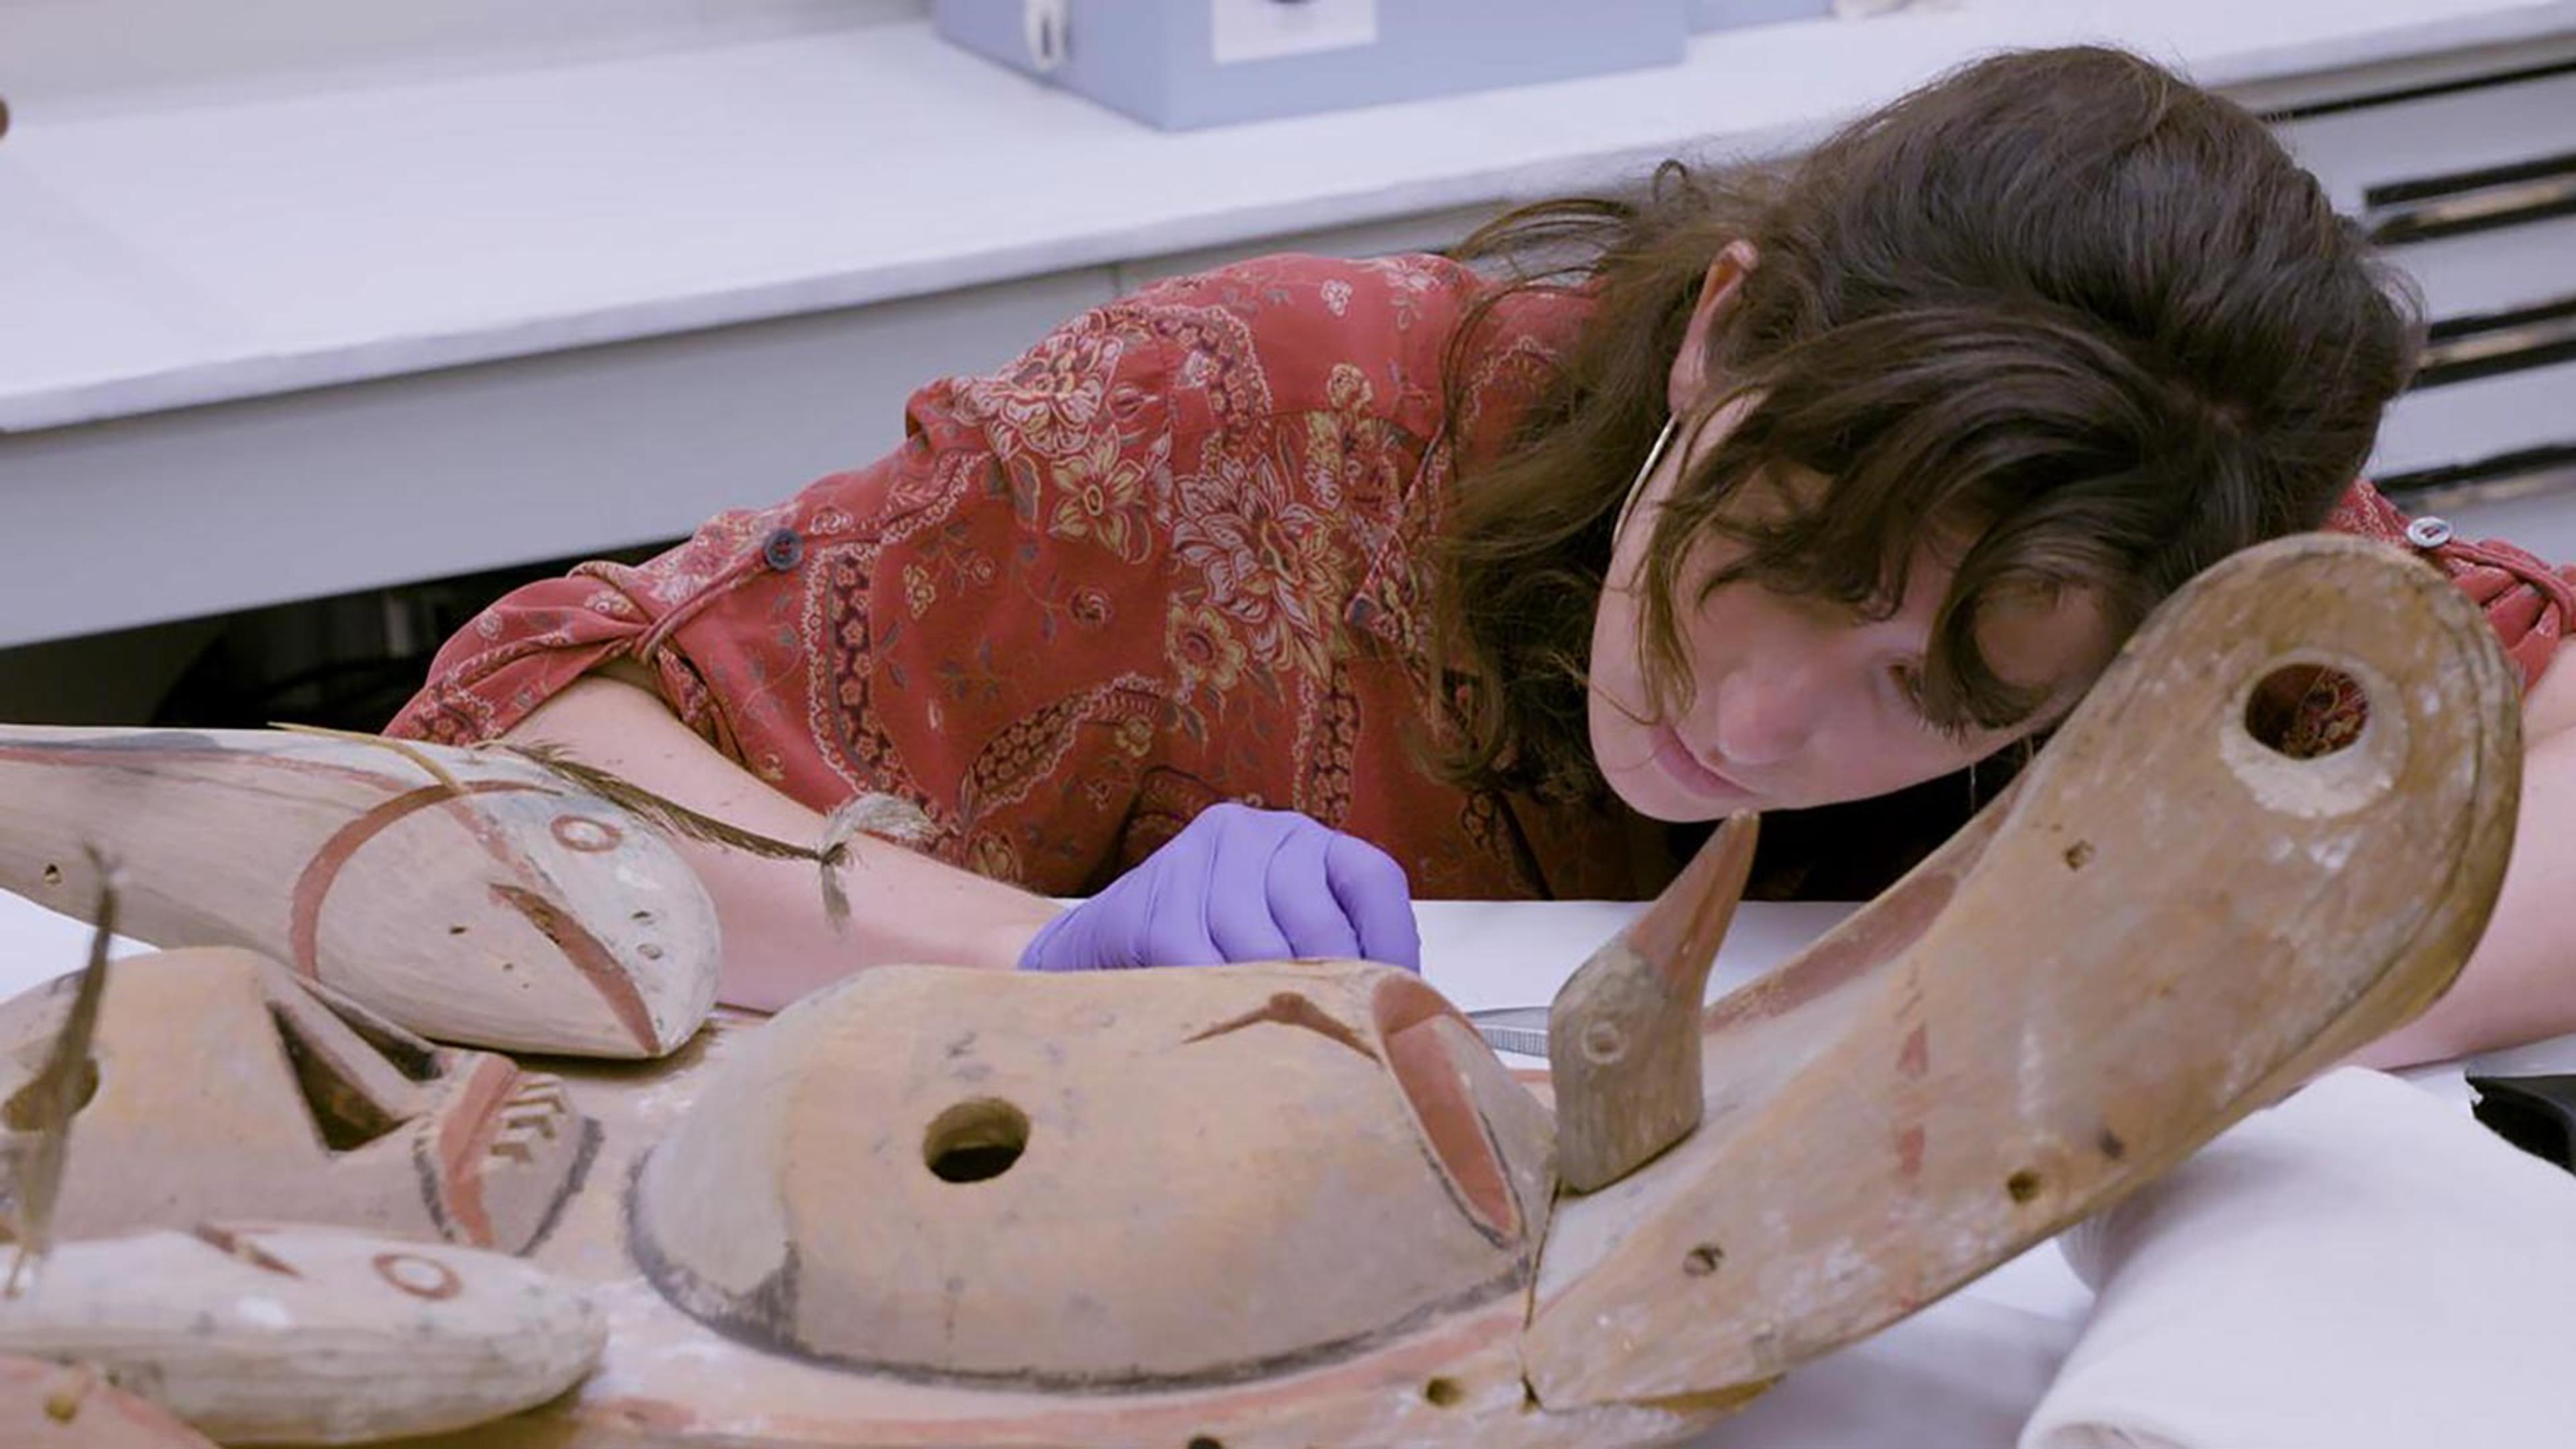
(1909, 1152)
(584, 950)
(464, 1137)
(405, 1271)
(1454, 1132)
(591, 959)
(304, 922)
(1434, 1085)
(235, 1244)
(1915, 1058)
(1287, 1008)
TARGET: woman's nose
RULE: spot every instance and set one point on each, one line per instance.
(1765, 716)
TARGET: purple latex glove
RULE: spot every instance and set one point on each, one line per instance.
(1239, 884)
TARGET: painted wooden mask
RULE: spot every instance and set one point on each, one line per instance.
(227, 1087)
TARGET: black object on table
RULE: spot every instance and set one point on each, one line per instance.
(2536, 1114)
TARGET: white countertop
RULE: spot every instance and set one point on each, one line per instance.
(154, 259)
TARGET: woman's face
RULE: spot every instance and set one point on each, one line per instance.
(1797, 701)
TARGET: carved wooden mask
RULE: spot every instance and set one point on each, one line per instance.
(1059, 1181)
(228, 1087)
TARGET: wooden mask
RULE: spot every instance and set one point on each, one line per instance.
(471, 895)
(226, 1087)
(1329, 1148)
(1274, 1205)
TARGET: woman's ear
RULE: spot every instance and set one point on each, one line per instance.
(1690, 377)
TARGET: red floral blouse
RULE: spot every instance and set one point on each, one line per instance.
(1157, 562)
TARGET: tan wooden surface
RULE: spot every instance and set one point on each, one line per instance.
(668, 1381)
(304, 1335)
(1277, 1205)
(224, 1087)
(509, 911)
(45, 1405)
(2166, 925)
(1238, 1173)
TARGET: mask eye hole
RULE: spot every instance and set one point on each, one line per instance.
(976, 1141)
(342, 1112)
(2272, 712)
(415, 1058)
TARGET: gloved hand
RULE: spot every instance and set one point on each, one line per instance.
(1239, 884)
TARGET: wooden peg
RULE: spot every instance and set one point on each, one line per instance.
(46, 1405)
(1623, 1035)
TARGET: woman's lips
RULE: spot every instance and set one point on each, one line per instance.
(1685, 767)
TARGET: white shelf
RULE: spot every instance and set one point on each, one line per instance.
(156, 259)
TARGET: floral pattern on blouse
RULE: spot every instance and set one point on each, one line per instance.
(1162, 559)
(1159, 561)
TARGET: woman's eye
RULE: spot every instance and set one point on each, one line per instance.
(1909, 684)
(1910, 688)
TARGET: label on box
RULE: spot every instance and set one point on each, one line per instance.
(1244, 30)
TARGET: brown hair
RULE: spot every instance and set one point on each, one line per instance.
(2062, 300)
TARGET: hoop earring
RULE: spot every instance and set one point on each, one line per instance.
(1654, 455)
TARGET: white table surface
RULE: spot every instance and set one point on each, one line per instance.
(157, 258)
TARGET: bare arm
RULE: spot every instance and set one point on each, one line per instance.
(2520, 984)
(777, 944)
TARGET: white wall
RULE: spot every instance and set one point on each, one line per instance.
(85, 56)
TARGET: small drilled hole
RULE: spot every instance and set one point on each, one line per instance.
(2023, 1185)
(53, 875)
(2307, 711)
(976, 1141)
(1701, 1261)
(1443, 1393)
(2079, 855)
(456, 930)
(1604, 1043)
(1204, 1441)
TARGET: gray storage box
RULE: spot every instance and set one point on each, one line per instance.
(1730, 14)
(1186, 63)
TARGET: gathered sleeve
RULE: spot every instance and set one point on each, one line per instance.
(2530, 601)
(1088, 594)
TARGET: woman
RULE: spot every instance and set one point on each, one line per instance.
(1768, 490)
